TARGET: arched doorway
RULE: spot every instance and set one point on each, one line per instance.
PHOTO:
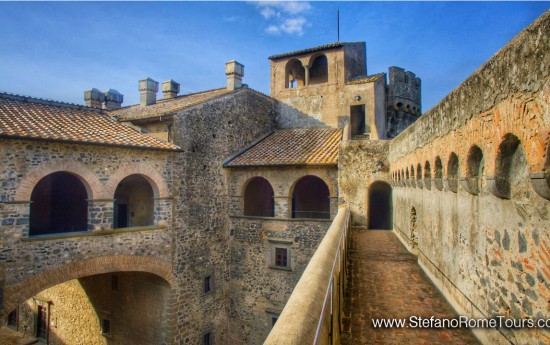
(134, 204)
(58, 205)
(311, 198)
(380, 206)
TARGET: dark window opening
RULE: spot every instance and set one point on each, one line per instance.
(475, 157)
(311, 199)
(295, 74)
(207, 339)
(274, 320)
(507, 153)
(318, 72)
(259, 198)
(42, 323)
(12, 318)
(114, 283)
(105, 327)
(419, 172)
(207, 284)
(358, 120)
(452, 173)
(281, 257)
(134, 204)
(58, 204)
(380, 206)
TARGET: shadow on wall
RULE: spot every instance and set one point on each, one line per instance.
(289, 117)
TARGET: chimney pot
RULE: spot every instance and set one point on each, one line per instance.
(148, 89)
(94, 98)
(234, 72)
(170, 89)
(113, 99)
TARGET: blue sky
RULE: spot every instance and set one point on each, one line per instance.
(57, 50)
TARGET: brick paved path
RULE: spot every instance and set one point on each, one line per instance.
(384, 281)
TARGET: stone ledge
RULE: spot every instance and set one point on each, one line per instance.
(283, 219)
(80, 234)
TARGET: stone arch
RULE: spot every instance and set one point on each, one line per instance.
(258, 197)
(18, 293)
(134, 202)
(380, 206)
(438, 173)
(294, 72)
(155, 179)
(474, 171)
(452, 173)
(310, 195)
(318, 69)
(326, 180)
(83, 173)
(427, 175)
(500, 184)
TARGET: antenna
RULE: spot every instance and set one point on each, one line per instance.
(338, 23)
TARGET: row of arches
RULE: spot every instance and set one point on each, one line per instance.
(510, 160)
(310, 198)
(60, 203)
(314, 72)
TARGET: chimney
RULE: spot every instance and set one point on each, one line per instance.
(170, 89)
(148, 89)
(113, 99)
(94, 98)
(235, 73)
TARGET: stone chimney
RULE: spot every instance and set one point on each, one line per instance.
(235, 73)
(170, 89)
(113, 99)
(148, 89)
(94, 98)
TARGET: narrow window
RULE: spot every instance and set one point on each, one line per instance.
(274, 320)
(207, 284)
(42, 323)
(114, 282)
(207, 339)
(105, 327)
(281, 257)
(12, 318)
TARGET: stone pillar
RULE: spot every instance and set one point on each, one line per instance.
(101, 214)
(94, 98)
(306, 68)
(283, 206)
(163, 211)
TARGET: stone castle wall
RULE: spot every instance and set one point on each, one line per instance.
(480, 231)
(209, 134)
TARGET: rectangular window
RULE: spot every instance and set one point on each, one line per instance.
(281, 257)
(207, 339)
(105, 327)
(42, 322)
(207, 284)
(12, 318)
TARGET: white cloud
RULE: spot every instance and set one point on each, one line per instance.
(284, 16)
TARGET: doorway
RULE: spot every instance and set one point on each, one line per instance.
(380, 206)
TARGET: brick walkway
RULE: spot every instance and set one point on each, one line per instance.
(384, 281)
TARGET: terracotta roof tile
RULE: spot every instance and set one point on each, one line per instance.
(308, 50)
(366, 79)
(25, 117)
(318, 146)
(167, 105)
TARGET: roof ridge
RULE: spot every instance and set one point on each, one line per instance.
(312, 49)
(30, 99)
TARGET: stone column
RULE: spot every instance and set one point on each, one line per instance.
(101, 214)
(306, 81)
(163, 211)
(283, 206)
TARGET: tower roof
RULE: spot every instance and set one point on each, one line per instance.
(311, 50)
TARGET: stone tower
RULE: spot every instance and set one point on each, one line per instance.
(403, 100)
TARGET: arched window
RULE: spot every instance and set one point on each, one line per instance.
(507, 152)
(134, 205)
(311, 198)
(427, 175)
(295, 74)
(438, 178)
(380, 206)
(258, 198)
(452, 173)
(318, 72)
(58, 204)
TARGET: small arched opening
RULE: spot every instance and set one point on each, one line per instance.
(134, 202)
(311, 198)
(295, 74)
(258, 198)
(506, 155)
(380, 206)
(474, 169)
(318, 72)
(452, 173)
(427, 175)
(58, 205)
(438, 173)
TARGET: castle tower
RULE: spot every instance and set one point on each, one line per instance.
(403, 100)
